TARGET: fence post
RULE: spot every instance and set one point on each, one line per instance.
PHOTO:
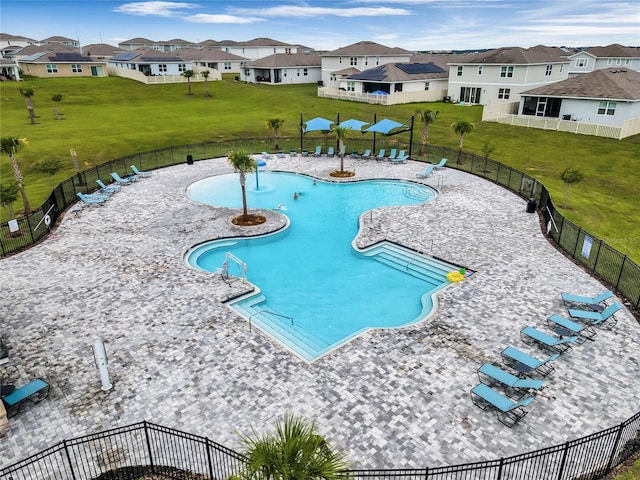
(209, 461)
(595, 262)
(66, 451)
(575, 247)
(146, 435)
(564, 460)
(500, 468)
(620, 274)
(615, 447)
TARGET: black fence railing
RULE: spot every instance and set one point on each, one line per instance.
(603, 261)
(146, 449)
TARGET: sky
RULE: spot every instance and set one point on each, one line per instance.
(414, 25)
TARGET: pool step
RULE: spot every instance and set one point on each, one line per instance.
(281, 329)
(418, 192)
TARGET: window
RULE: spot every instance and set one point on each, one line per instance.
(182, 67)
(426, 86)
(366, 61)
(581, 62)
(627, 62)
(305, 72)
(609, 61)
(287, 50)
(504, 93)
(340, 60)
(227, 65)
(618, 61)
(607, 108)
(162, 67)
(459, 70)
(506, 72)
(353, 61)
(351, 86)
(52, 68)
(547, 72)
(377, 60)
(480, 68)
(470, 94)
(76, 68)
(298, 72)
(397, 87)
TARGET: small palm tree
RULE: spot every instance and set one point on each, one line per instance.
(10, 145)
(27, 93)
(294, 452)
(8, 195)
(427, 117)
(243, 164)
(461, 128)
(570, 176)
(188, 74)
(205, 75)
(275, 124)
(341, 133)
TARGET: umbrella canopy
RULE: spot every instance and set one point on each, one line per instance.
(384, 126)
(318, 123)
(379, 92)
(353, 124)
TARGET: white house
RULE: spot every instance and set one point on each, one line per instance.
(500, 75)
(213, 58)
(9, 70)
(150, 62)
(10, 43)
(610, 56)
(257, 48)
(283, 68)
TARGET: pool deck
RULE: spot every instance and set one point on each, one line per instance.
(390, 399)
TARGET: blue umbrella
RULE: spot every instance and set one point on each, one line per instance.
(354, 124)
(259, 163)
(318, 123)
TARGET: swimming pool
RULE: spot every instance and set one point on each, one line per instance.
(316, 291)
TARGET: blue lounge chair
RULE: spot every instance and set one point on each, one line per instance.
(280, 154)
(402, 157)
(380, 155)
(109, 189)
(591, 303)
(265, 155)
(524, 363)
(293, 152)
(489, 374)
(426, 172)
(557, 345)
(509, 412)
(93, 200)
(140, 173)
(598, 318)
(392, 154)
(565, 327)
(330, 152)
(318, 151)
(124, 181)
(441, 163)
(366, 154)
(34, 391)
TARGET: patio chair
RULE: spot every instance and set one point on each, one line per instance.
(124, 181)
(380, 155)
(280, 154)
(509, 412)
(330, 152)
(400, 158)
(565, 327)
(490, 374)
(92, 200)
(265, 155)
(34, 391)
(318, 151)
(590, 303)
(108, 189)
(526, 364)
(140, 173)
(366, 154)
(426, 172)
(557, 345)
(392, 154)
(293, 152)
(304, 152)
(441, 163)
(598, 318)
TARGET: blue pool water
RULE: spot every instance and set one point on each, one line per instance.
(322, 292)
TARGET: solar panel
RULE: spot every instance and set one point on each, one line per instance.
(125, 56)
(70, 57)
(413, 68)
(376, 74)
(161, 59)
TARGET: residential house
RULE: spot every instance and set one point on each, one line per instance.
(149, 62)
(9, 70)
(212, 58)
(10, 43)
(257, 48)
(610, 56)
(284, 68)
(136, 44)
(100, 51)
(61, 61)
(499, 76)
(67, 42)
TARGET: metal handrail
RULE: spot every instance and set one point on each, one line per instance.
(269, 312)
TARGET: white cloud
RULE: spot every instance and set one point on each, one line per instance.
(232, 19)
(157, 8)
(305, 11)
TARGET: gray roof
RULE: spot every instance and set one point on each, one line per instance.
(59, 39)
(614, 50)
(401, 72)
(441, 59)
(8, 36)
(263, 42)
(145, 55)
(367, 48)
(517, 56)
(137, 41)
(283, 60)
(101, 50)
(207, 54)
(608, 83)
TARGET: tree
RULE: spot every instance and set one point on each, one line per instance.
(487, 149)
(188, 74)
(294, 452)
(341, 134)
(27, 93)
(275, 124)
(461, 128)
(50, 166)
(570, 176)
(426, 117)
(10, 145)
(8, 195)
(243, 164)
(205, 75)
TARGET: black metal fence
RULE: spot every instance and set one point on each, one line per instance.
(603, 261)
(148, 449)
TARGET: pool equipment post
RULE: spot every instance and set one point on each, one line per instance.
(259, 163)
(100, 357)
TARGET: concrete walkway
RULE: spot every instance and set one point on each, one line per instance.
(390, 398)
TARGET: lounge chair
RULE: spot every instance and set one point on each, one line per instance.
(265, 155)
(124, 181)
(330, 152)
(304, 152)
(546, 341)
(565, 327)
(366, 154)
(400, 158)
(426, 172)
(524, 363)
(293, 152)
(108, 189)
(380, 155)
(318, 151)
(92, 200)
(509, 412)
(489, 374)
(280, 154)
(590, 303)
(140, 173)
(441, 163)
(392, 154)
(597, 318)
(34, 391)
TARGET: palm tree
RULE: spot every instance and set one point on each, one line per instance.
(341, 134)
(10, 145)
(275, 124)
(427, 117)
(27, 93)
(461, 128)
(8, 195)
(243, 164)
(294, 452)
(188, 74)
(205, 75)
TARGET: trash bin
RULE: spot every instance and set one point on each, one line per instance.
(531, 205)
(447, 99)
(189, 159)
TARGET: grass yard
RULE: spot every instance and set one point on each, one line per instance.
(104, 118)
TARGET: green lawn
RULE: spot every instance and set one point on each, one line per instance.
(105, 118)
